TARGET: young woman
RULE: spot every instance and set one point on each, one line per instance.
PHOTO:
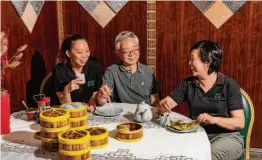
(69, 86)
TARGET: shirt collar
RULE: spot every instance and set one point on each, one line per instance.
(220, 80)
(123, 68)
(70, 67)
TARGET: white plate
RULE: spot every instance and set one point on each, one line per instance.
(185, 131)
(105, 111)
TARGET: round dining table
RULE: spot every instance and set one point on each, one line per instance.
(158, 143)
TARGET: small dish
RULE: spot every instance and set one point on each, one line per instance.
(108, 112)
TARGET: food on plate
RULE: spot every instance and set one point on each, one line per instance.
(182, 125)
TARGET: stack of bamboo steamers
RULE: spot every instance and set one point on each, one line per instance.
(66, 129)
(52, 122)
(78, 114)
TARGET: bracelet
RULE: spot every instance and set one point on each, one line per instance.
(66, 96)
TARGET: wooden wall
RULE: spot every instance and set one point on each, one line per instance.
(44, 38)
(179, 26)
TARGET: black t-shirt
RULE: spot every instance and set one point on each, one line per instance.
(63, 74)
(223, 97)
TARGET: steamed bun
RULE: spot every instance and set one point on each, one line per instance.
(77, 105)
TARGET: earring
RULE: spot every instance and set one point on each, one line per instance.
(67, 54)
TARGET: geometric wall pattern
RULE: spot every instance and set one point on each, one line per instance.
(102, 11)
(28, 11)
(60, 28)
(218, 12)
(151, 35)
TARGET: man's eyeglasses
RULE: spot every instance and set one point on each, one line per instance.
(135, 51)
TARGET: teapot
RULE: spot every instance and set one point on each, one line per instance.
(165, 119)
(143, 112)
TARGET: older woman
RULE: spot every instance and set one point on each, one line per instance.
(214, 100)
(68, 84)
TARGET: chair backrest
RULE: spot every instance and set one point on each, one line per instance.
(47, 83)
(47, 89)
(249, 121)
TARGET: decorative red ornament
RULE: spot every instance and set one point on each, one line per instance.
(5, 113)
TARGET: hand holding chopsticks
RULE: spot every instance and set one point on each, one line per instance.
(166, 105)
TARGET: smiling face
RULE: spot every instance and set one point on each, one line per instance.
(79, 53)
(129, 51)
(197, 67)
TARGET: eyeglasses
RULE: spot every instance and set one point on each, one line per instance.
(135, 51)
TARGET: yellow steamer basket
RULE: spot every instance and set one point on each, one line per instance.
(53, 121)
(78, 117)
(75, 113)
(50, 144)
(74, 145)
(98, 137)
(79, 123)
(129, 132)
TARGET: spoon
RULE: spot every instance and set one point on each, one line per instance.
(24, 104)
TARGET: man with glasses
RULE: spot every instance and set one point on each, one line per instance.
(128, 81)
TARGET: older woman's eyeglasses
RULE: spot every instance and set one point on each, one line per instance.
(135, 51)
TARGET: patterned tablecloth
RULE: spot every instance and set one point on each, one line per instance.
(157, 143)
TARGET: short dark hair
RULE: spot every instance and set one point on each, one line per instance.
(68, 43)
(209, 52)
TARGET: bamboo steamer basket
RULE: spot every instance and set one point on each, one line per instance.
(74, 145)
(54, 118)
(79, 123)
(50, 144)
(98, 137)
(129, 132)
(80, 112)
(53, 121)
(52, 133)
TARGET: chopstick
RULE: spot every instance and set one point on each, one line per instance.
(110, 107)
(110, 104)
(168, 109)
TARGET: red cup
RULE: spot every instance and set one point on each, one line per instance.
(31, 112)
(5, 113)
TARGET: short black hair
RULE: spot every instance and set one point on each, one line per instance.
(68, 43)
(209, 52)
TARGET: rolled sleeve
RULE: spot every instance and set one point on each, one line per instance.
(234, 97)
(108, 79)
(179, 93)
(154, 89)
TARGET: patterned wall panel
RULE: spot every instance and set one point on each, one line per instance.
(28, 11)
(60, 27)
(103, 11)
(115, 5)
(151, 35)
(218, 12)
(89, 6)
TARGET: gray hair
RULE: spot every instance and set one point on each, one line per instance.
(123, 35)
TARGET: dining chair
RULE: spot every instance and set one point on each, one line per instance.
(249, 121)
